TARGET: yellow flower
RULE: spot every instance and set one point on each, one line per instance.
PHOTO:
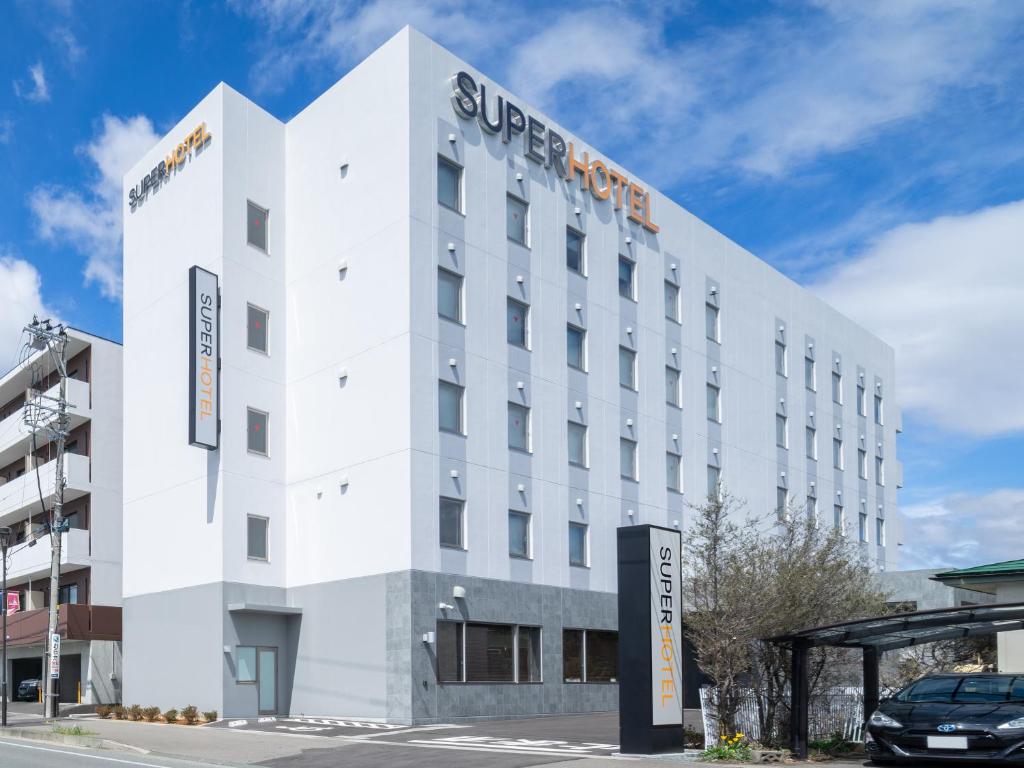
(723, 738)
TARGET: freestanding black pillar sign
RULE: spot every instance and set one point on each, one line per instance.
(650, 640)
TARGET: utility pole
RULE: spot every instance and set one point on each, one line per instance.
(50, 415)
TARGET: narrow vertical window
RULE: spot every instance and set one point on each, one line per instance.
(781, 432)
(256, 320)
(880, 532)
(577, 444)
(837, 453)
(519, 534)
(862, 464)
(575, 340)
(517, 317)
(839, 517)
(714, 403)
(518, 427)
(449, 295)
(878, 409)
(449, 184)
(673, 393)
(879, 471)
(516, 215)
(574, 254)
(812, 508)
(449, 406)
(781, 503)
(256, 226)
(256, 431)
(837, 388)
(811, 439)
(627, 458)
(257, 537)
(578, 544)
(450, 515)
(809, 374)
(627, 367)
(862, 402)
(780, 358)
(862, 527)
(627, 272)
(673, 471)
(714, 482)
(672, 301)
(711, 323)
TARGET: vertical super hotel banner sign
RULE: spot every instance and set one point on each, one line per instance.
(203, 359)
(666, 629)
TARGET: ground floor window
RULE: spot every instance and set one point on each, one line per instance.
(590, 656)
(473, 652)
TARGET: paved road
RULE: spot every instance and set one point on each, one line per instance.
(23, 754)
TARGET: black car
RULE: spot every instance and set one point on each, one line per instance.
(951, 717)
(28, 690)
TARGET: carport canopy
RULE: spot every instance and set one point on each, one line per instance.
(886, 633)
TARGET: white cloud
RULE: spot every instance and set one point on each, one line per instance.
(20, 299)
(38, 90)
(6, 129)
(788, 85)
(948, 295)
(963, 530)
(89, 220)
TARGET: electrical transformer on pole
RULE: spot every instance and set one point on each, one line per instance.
(50, 415)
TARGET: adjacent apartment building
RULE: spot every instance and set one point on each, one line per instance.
(437, 348)
(90, 583)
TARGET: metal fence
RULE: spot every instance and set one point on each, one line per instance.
(836, 710)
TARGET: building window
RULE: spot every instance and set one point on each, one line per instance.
(449, 184)
(862, 402)
(519, 534)
(449, 407)
(578, 554)
(673, 388)
(590, 656)
(878, 410)
(837, 388)
(488, 653)
(711, 323)
(67, 595)
(627, 274)
(574, 253)
(516, 215)
(781, 503)
(257, 533)
(518, 427)
(812, 443)
(256, 328)
(879, 471)
(780, 358)
(839, 517)
(517, 317)
(449, 295)
(862, 464)
(673, 474)
(714, 482)
(862, 527)
(714, 403)
(627, 368)
(880, 532)
(256, 431)
(781, 432)
(451, 520)
(812, 508)
(837, 453)
(809, 374)
(577, 444)
(256, 226)
(627, 458)
(245, 664)
(672, 301)
(575, 343)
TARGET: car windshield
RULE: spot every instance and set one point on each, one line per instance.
(983, 688)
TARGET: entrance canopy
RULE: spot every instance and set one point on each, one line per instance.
(886, 633)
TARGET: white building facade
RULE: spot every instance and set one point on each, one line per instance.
(450, 367)
(90, 581)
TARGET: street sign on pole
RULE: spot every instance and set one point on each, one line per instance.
(55, 656)
(13, 600)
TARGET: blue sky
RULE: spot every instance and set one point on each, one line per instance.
(872, 151)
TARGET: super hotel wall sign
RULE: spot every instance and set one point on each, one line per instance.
(546, 147)
(174, 162)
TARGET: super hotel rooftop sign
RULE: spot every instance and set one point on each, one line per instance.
(546, 147)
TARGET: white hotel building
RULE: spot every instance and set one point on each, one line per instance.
(447, 375)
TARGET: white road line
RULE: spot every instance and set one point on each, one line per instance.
(100, 757)
(500, 750)
(417, 729)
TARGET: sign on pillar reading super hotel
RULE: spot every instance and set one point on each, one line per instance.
(666, 635)
(203, 359)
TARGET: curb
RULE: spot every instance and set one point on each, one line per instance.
(35, 734)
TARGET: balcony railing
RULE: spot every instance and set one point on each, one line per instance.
(24, 561)
(13, 431)
(21, 493)
(75, 622)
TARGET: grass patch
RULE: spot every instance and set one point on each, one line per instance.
(73, 730)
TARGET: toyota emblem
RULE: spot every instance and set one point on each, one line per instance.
(947, 728)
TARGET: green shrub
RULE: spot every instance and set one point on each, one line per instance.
(103, 711)
(150, 713)
(735, 748)
(118, 712)
(74, 730)
(171, 716)
(210, 716)
(134, 712)
(190, 714)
